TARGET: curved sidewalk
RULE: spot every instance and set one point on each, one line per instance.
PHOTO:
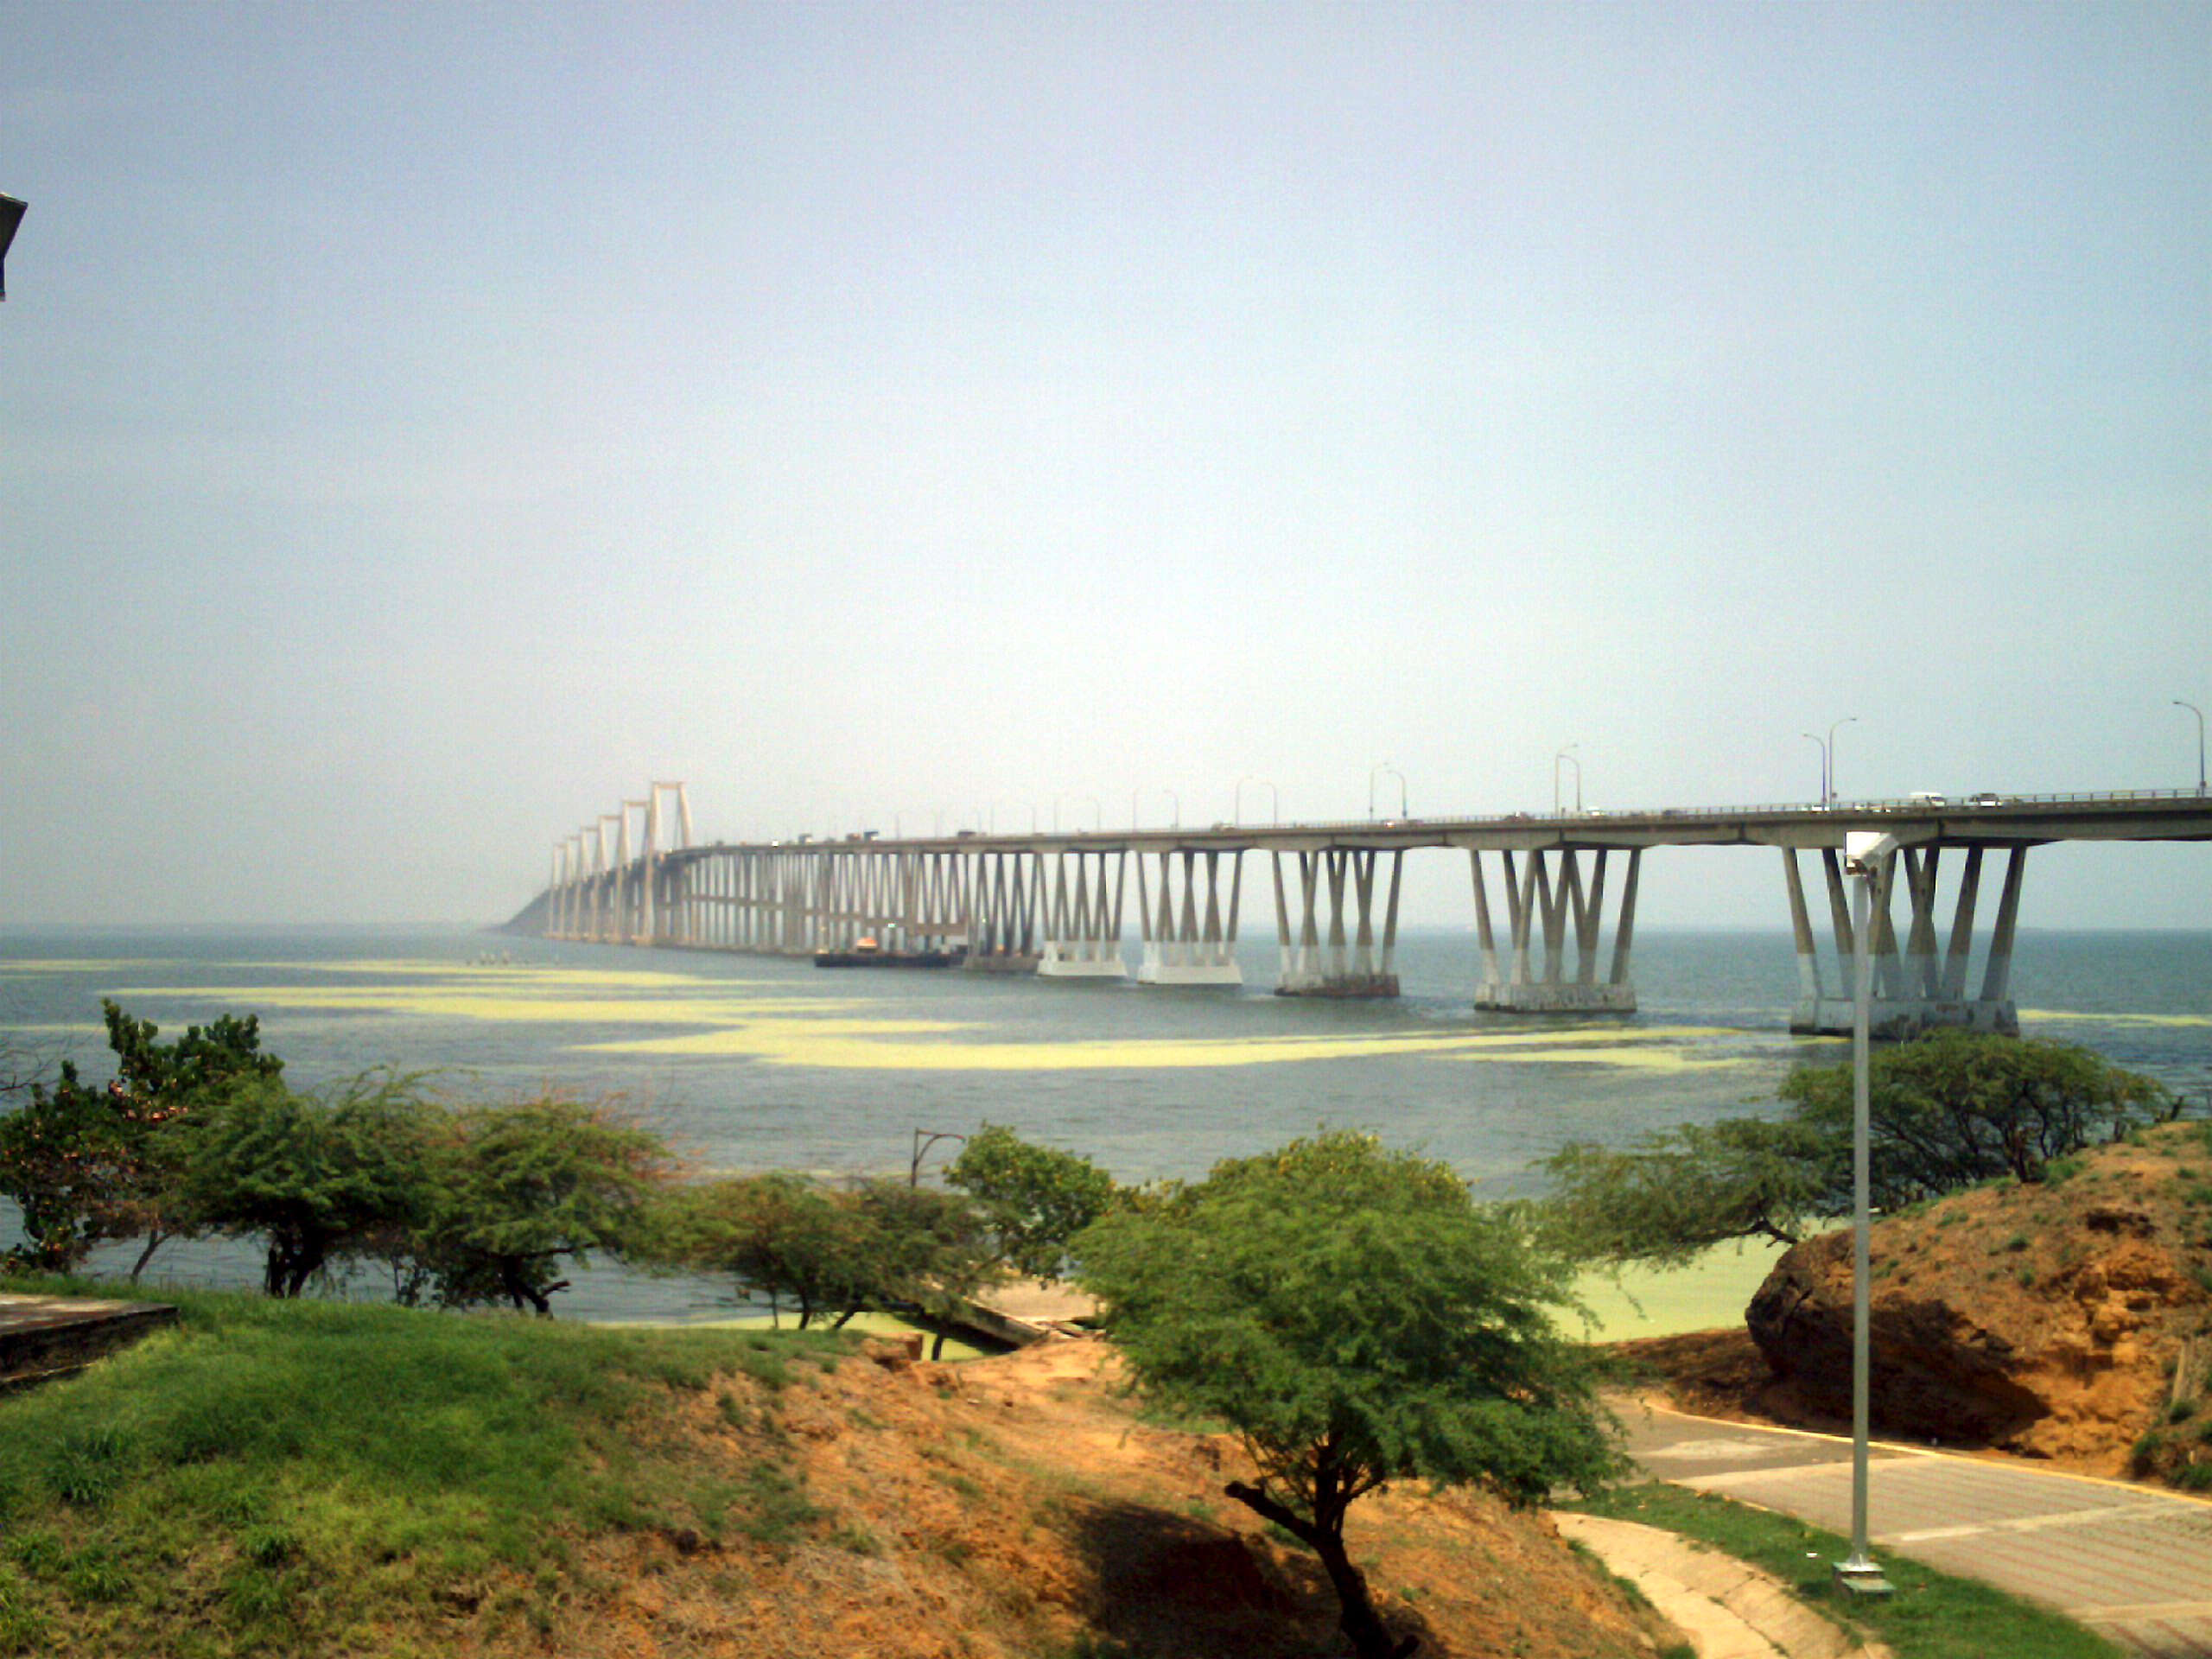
(2133, 1562)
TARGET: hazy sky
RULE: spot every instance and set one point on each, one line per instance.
(420, 425)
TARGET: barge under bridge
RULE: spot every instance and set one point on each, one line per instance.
(1555, 897)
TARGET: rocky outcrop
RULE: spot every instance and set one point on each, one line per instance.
(2044, 1318)
(1940, 1373)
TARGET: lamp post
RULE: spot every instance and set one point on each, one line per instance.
(924, 1140)
(1811, 738)
(1865, 853)
(1829, 753)
(1567, 754)
(2199, 713)
(1376, 771)
(1372, 775)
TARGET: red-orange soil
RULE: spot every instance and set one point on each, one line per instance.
(2047, 1320)
(1016, 1506)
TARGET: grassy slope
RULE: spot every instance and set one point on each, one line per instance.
(341, 1479)
(344, 1478)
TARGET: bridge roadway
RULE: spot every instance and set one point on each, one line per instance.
(1053, 903)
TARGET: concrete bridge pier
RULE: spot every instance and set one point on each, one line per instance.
(1315, 964)
(1183, 946)
(1007, 898)
(1916, 991)
(934, 901)
(1083, 926)
(1534, 900)
(604, 874)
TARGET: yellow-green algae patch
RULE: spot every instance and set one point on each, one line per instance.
(824, 1044)
(2118, 1018)
(1641, 1060)
(62, 965)
(533, 974)
(443, 1003)
(1710, 1292)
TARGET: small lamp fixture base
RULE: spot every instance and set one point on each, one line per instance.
(1861, 1581)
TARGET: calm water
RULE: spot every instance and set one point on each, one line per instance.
(745, 1064)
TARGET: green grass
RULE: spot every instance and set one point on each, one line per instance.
(1932, 1615)
(271, 1475)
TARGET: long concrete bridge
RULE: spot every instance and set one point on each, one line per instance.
(1054, 904)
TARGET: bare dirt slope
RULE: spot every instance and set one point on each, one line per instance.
(2069, 1319)
(1016, 1506)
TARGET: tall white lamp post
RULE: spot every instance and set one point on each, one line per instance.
(1868, 855)
(2199, 713)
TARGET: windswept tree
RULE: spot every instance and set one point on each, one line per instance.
(1037, 1197)
(1357, 1318)
(1955, 1107)
(828, 1252)
(88, 1163)
(1945, 1111)
(318, 1179)
(1673, 1195)
(516, 1189)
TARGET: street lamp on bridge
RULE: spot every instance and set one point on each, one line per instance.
(1376, 771)
(1567, 754)
(1829, 755)
(1815, 737)
(2199, 713)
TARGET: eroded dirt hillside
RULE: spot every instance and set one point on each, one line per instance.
(2069, 1319)
(1017, 1507)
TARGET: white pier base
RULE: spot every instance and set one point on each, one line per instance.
(1172, 961)
(1080, 959)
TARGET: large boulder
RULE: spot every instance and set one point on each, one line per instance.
(1939, 1374)
(2045, 1319)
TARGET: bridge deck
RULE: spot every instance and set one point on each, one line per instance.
(2010, 820)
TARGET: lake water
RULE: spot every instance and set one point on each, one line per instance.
(745, 1064)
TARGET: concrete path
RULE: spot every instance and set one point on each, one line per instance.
(2131, 1561)
(46, 1337)
(1728, 1609)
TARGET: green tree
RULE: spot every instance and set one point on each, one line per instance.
(87, 1163)
(317, 1179)
(517, 1188)
(1037, 1197)
(928, 1250)
(1674, 1195)
(1356, 1318)
(1945, 1111)
(779, 1236)
(828, 1252)
(1955, 1108)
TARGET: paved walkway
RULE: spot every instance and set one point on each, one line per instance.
(1728, 1609)
(42, 1337)
(2131, 1561)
